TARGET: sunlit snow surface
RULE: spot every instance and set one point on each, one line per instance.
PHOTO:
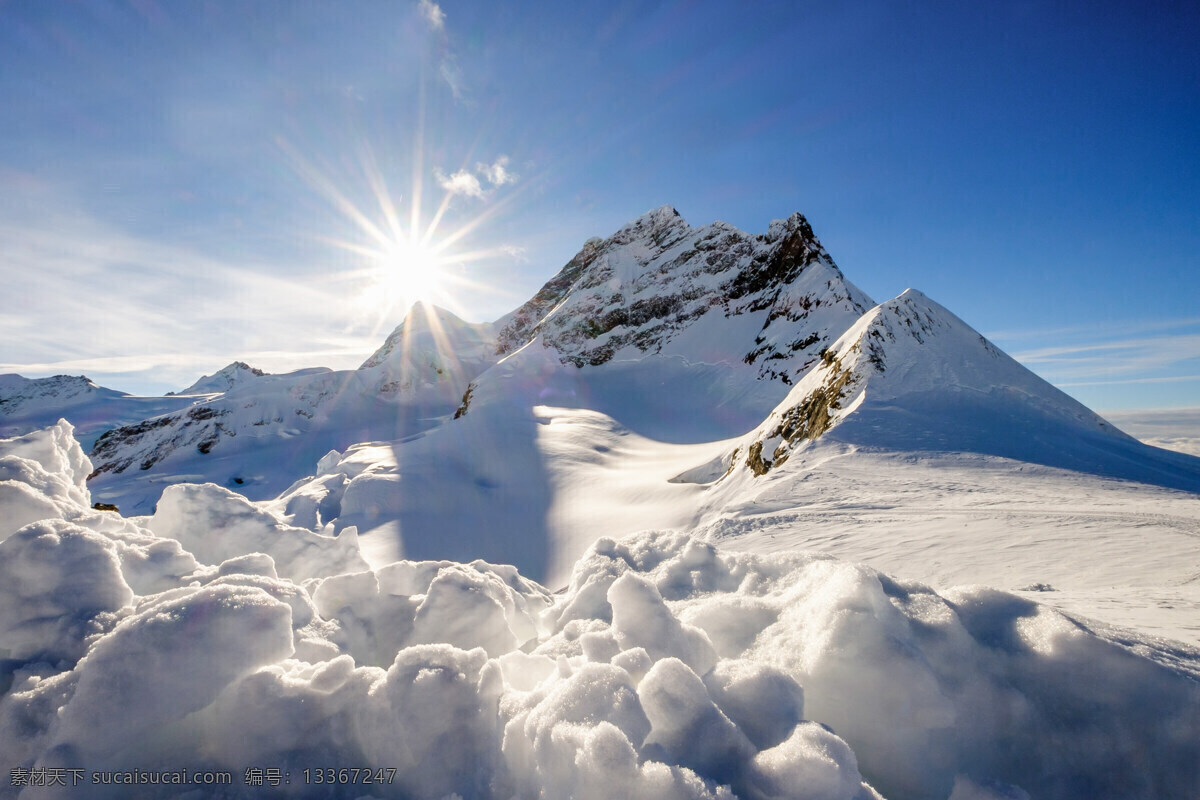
(667, 668)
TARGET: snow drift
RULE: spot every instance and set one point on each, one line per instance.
(667, 668)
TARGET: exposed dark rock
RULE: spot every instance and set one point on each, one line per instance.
(808, 419)
(466, 401)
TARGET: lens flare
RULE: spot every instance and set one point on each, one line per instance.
(408, 272)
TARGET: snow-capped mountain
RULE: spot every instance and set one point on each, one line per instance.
(680, 435)
(598, 420)
(911, 376)
(18, 394)
(222, 380)
(658, 286)
(731, 319)
(28, 404)
(266, 431)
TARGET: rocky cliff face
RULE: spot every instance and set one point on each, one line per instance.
(639, 290)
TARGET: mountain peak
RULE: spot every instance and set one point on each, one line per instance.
(660, 227)
(223, 379)
(639, 289)
(911, 368)
(423, 321)
(663, 214)
(17, 391)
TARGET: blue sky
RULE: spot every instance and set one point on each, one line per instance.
(183, 184)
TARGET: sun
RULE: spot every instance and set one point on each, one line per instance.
(396, 262)
(408, 272)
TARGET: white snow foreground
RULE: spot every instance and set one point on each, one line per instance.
(210, 637)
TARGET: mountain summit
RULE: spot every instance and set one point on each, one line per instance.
(910, 375)
(642, 288)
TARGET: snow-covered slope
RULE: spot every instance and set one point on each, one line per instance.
(223, 380)
(268, 430)
(28, 404)
(550, 451)
(209, 643)
(910, 376)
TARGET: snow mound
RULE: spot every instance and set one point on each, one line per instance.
(216, 524)
(667, 668)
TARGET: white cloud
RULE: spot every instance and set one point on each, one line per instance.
(470, 184)
(497, 173)
(461, 182)
(435, 18)
(515, 252)
(433, 14)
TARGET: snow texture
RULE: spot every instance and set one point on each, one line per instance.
(666, 668)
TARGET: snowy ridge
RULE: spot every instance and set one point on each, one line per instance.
(633, 293)
(667, 668)
(18, 394)
(28, 404)
(223, 380)
(912, 376)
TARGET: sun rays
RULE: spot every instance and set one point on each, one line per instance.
(397, 259)
(399, 264)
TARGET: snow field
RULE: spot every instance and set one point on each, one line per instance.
(667, 668)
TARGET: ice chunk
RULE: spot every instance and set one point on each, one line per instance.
(56, 580)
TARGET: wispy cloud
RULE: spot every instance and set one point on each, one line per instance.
(1116, 355)
(515, 252)
(433, 14)
(497, 173)
(461, 182)
(1170, 379)
(1091, 330)
(435, 19)
(452, 75)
